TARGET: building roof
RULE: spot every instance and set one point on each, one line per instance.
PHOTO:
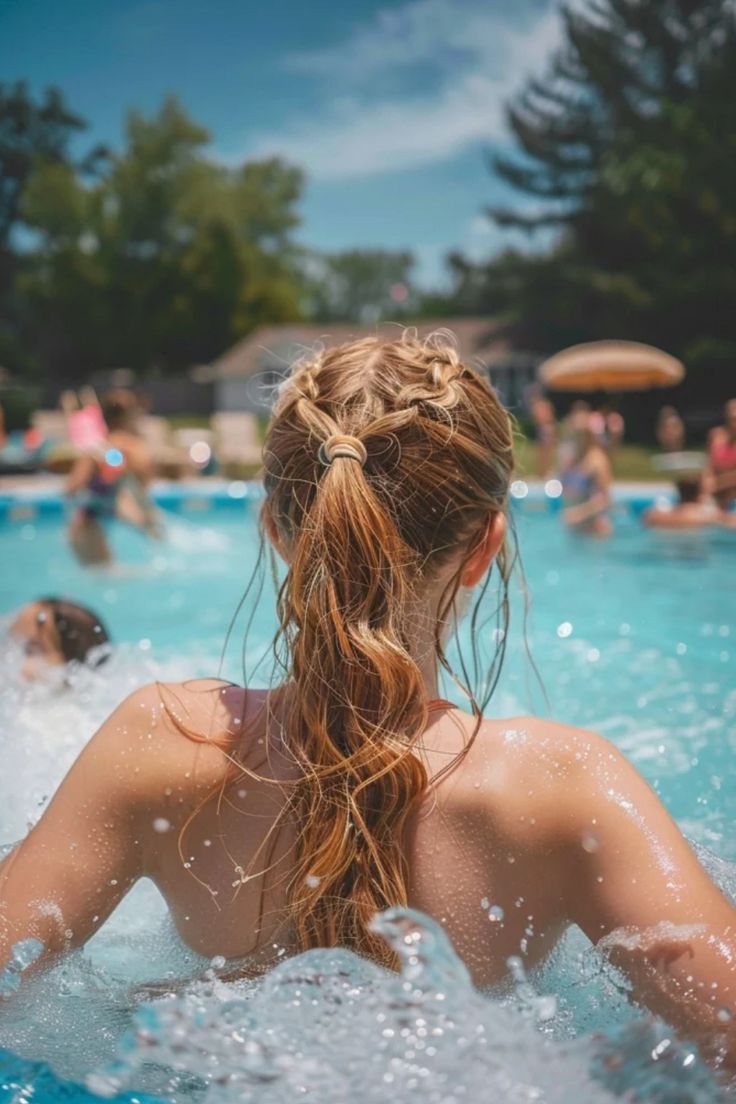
(272, 346)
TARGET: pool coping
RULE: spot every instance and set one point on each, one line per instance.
(26, 498)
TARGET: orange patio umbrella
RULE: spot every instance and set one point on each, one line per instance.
(610, 366)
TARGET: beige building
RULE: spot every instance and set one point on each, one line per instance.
(246, 376)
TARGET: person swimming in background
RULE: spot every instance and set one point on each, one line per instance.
(56, 631)
(722, 457)
(110, 479)
(694, 509)
(282, 819)
(586, 481)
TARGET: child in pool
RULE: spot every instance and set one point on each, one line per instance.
(288, 818)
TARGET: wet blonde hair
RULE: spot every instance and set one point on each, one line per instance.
(383, 460)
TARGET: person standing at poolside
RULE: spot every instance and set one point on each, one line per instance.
(670, 430)
(608, 426)
(722, 457)
(274, 821)
(545, 433)
(111, 480)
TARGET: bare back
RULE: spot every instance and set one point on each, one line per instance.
(527, 828)
(476, 860)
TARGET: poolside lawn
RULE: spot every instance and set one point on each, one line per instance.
(630, 462)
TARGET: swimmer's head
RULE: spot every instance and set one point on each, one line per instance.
(387, 470)
(120, 409)
(689, 490)
(54, 632)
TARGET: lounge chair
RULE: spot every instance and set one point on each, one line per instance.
(238, 442)
(170, 460)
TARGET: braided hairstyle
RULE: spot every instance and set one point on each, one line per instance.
(383, 459)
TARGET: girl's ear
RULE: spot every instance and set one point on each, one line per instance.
(269, 526)
(485, 550)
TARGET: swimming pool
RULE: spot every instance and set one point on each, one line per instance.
(633, 637)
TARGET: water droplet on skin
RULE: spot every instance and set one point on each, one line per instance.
(724, 1015)
(312, 881)
(496, 914)
(590, 843)
(485, 904)
(161, 824)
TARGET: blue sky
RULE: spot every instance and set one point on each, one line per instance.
(391, 107)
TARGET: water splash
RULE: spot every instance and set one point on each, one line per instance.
(23, 955)
(328, 1026)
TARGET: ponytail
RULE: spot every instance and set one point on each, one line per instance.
(358, 705)
(383, 460)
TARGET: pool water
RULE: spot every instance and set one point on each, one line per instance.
(633, 637)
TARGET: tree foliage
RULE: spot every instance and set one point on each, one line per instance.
(31, 134)
(626, 147)
(159, 261)
(361, 285)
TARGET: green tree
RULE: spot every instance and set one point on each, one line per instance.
(627, 148)
(166, 258)
(360, 285)
(33, 133)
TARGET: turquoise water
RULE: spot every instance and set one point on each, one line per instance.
(634, 637)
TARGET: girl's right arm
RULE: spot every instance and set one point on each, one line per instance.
(65, 878)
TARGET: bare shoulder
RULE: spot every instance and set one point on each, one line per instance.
(175, 737)
(541, 778)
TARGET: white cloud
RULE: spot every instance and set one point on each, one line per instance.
(480, 54)
(482, 238)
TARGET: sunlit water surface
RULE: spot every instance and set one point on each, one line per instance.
(633, 637)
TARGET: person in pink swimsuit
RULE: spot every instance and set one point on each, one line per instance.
(278, 820)
(722, 458)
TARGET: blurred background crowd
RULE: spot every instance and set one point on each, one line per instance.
(177, 283)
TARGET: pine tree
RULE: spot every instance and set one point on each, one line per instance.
(627, 148)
